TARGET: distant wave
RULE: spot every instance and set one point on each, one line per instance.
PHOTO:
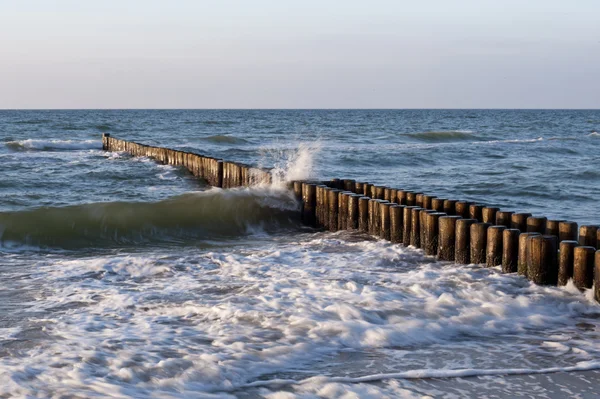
(594, 134)
(208, 215)
(444, 135)
(225, 139)
(51, 145)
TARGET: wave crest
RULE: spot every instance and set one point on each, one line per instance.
(53, 145)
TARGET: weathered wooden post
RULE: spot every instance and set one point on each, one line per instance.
(384, 210)
(387, 194)
(359, 187)
(566, 261)
(368, 188)
(218, 179)
(495, 245)
(462, 244)
(432, 231)
(352, 223)
(406, 236)
(479, 242)
(524, 252)
(542, 267)
(447, 237)
(488, 215)
(105, 141)
(437, 204)
(519, 221)
(423, 227)
(462, 209)
(415, 229)
(567, 231)
(583, 266)
(379, 192)
(349, 184)
(333, 202)
(363, 214)
(309, 192)
(336, 183)
(343, 197)
(510, 250)
(396, 223)
(552, 228)
(588, 236)
(298, 189)
(426, 202)
(411, 198)
(475, 212)
(403, 197)
(450, 207)
(419, 200)
(536, 224)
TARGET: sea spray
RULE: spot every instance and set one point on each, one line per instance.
(293, 163)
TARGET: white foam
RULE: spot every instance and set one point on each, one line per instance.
(295, 164)
(37, 144)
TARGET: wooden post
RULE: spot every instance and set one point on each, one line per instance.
(368, 188)
(105, 141)
(396, 223)
(336, 183)
(583, 266)
(427, 201)
(403, 197)
(372, 215)
(349, 184)
(363, 214)
(415, 229)
(462, 244)
(479, 242)
(423, 227)
(333, 202)
(510, 250)
(566, 260)
(450, 207)
(588, 236)
(387, 192)
(536, 224)
(597, 277)
(352, 223)
(407, 216)
(519, 221)
(447, 237)
(393, 195)
(495, 245)
(411, 198)
(503, 218)
(218, 179)
(475, 212)
(298, 189)
(384, 211)
(542, 267)
(552, 228)
(379, 192)
(488, 215)
(359, 187)
(524, 252)
(419, 200)
(432, 231)
(567, 231)
(437, 204)
(343, 199)
(462, 209)
(309, 192)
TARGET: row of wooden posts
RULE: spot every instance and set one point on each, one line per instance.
(216, 172)
(545, 251)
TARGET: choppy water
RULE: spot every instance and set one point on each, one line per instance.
(122, 277)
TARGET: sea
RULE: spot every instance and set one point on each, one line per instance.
(121, 277)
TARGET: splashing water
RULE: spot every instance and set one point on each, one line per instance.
(293, 164)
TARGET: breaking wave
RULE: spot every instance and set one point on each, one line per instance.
(207, 215)
(53, 145)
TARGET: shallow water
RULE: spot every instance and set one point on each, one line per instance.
(121, 277)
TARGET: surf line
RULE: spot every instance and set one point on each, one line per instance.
(549, 252)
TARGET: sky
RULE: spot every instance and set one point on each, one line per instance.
(299, 54)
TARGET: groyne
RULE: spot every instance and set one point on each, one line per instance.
(549, 252)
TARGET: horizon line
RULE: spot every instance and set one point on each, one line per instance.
(302, 109)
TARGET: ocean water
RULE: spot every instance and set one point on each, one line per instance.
(122, 277)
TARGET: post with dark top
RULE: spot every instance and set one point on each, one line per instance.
(396, 223)
(566, 260)
(510, 250)
(462, 244)
(524, 252)
(407, 223)
(462, 209)
(384, 213)
(588, 236)
(552, 228)
(437, 204)
(583, 267)
(403, 197)
(363, 214)
(105, 141)
(427, 201)
(447, 237)
(332, 200)
(519, 221)
(494, 245)
(542, 267)
(309, 192)
(475, 212)
(359, 187)
(415, 228)
(352, 222)
(450, 207)
(488, 215)
(432, 231)
(536, 224)
(479, 242)
(567, 231)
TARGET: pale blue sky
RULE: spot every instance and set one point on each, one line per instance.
(300, 54)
